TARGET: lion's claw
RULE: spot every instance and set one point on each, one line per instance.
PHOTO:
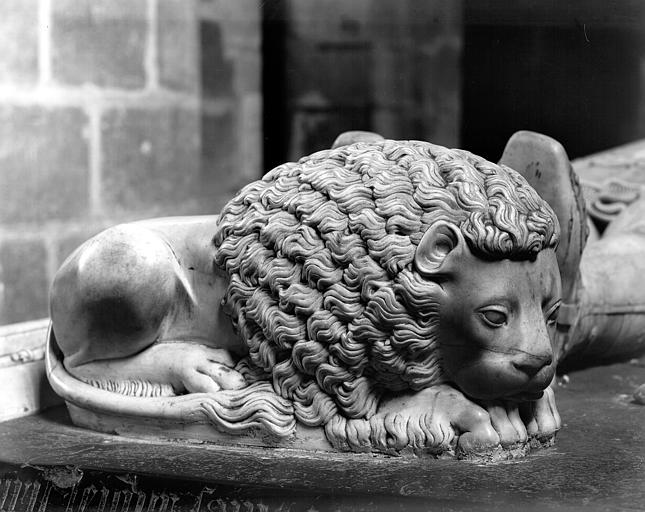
(210, 377)
(468, 420)
(507, 422)
(517, 423)
(541, 416)
(477, 432)
(445, 415)
(202, 369)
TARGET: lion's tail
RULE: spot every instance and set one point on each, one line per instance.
(254, 408)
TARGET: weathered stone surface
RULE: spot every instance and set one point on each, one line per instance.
(43, 163)
(216, 68)
(338, 71)
(100, 42)
(398, 62)
(219, 163)
(178, 39)
(23, 280)
(19, 41)
(231, 150)
(314, 130)
(249, 110)
(329, 51)
(240, 22)
(231, 30)
(150, 158)
(53, 166)
(329, 20)
(248, 67)
(438, 90)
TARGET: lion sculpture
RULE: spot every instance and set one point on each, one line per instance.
(398, 296)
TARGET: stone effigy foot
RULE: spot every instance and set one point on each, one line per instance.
(545, 165)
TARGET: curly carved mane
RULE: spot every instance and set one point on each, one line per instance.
(320, 254)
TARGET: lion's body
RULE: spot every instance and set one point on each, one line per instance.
(320, 257)
(327, 271)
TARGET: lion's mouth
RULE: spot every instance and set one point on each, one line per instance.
(525, 396)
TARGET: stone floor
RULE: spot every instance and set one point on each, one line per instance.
(598, 463)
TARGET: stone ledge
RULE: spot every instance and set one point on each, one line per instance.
(24, 386)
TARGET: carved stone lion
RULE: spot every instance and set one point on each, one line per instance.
(397, 294)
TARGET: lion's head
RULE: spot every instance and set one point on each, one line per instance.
(391, 265)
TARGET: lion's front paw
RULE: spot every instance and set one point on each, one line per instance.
(507, 422)
(201, 369)
(517, 423)
(541, 417)
(438, 419)
(474, 425)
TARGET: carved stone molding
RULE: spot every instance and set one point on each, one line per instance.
(25, 389)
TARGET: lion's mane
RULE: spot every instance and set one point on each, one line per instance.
(322, 286)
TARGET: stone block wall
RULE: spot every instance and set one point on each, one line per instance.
(114, 110)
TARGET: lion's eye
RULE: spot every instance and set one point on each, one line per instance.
(494, 317)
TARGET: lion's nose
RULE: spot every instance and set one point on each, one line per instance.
(530, 364)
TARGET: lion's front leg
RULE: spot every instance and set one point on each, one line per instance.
(541, 417)
(437, 419)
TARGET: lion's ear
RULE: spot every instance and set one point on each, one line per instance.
(439, 242)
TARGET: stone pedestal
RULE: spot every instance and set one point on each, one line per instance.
(596, 464)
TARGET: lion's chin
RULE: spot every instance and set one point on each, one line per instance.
(491, 381)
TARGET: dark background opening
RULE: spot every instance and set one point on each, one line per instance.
(571, 71)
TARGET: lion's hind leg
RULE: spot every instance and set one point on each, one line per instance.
(113, 302)
(111, 297)
(165, 369)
